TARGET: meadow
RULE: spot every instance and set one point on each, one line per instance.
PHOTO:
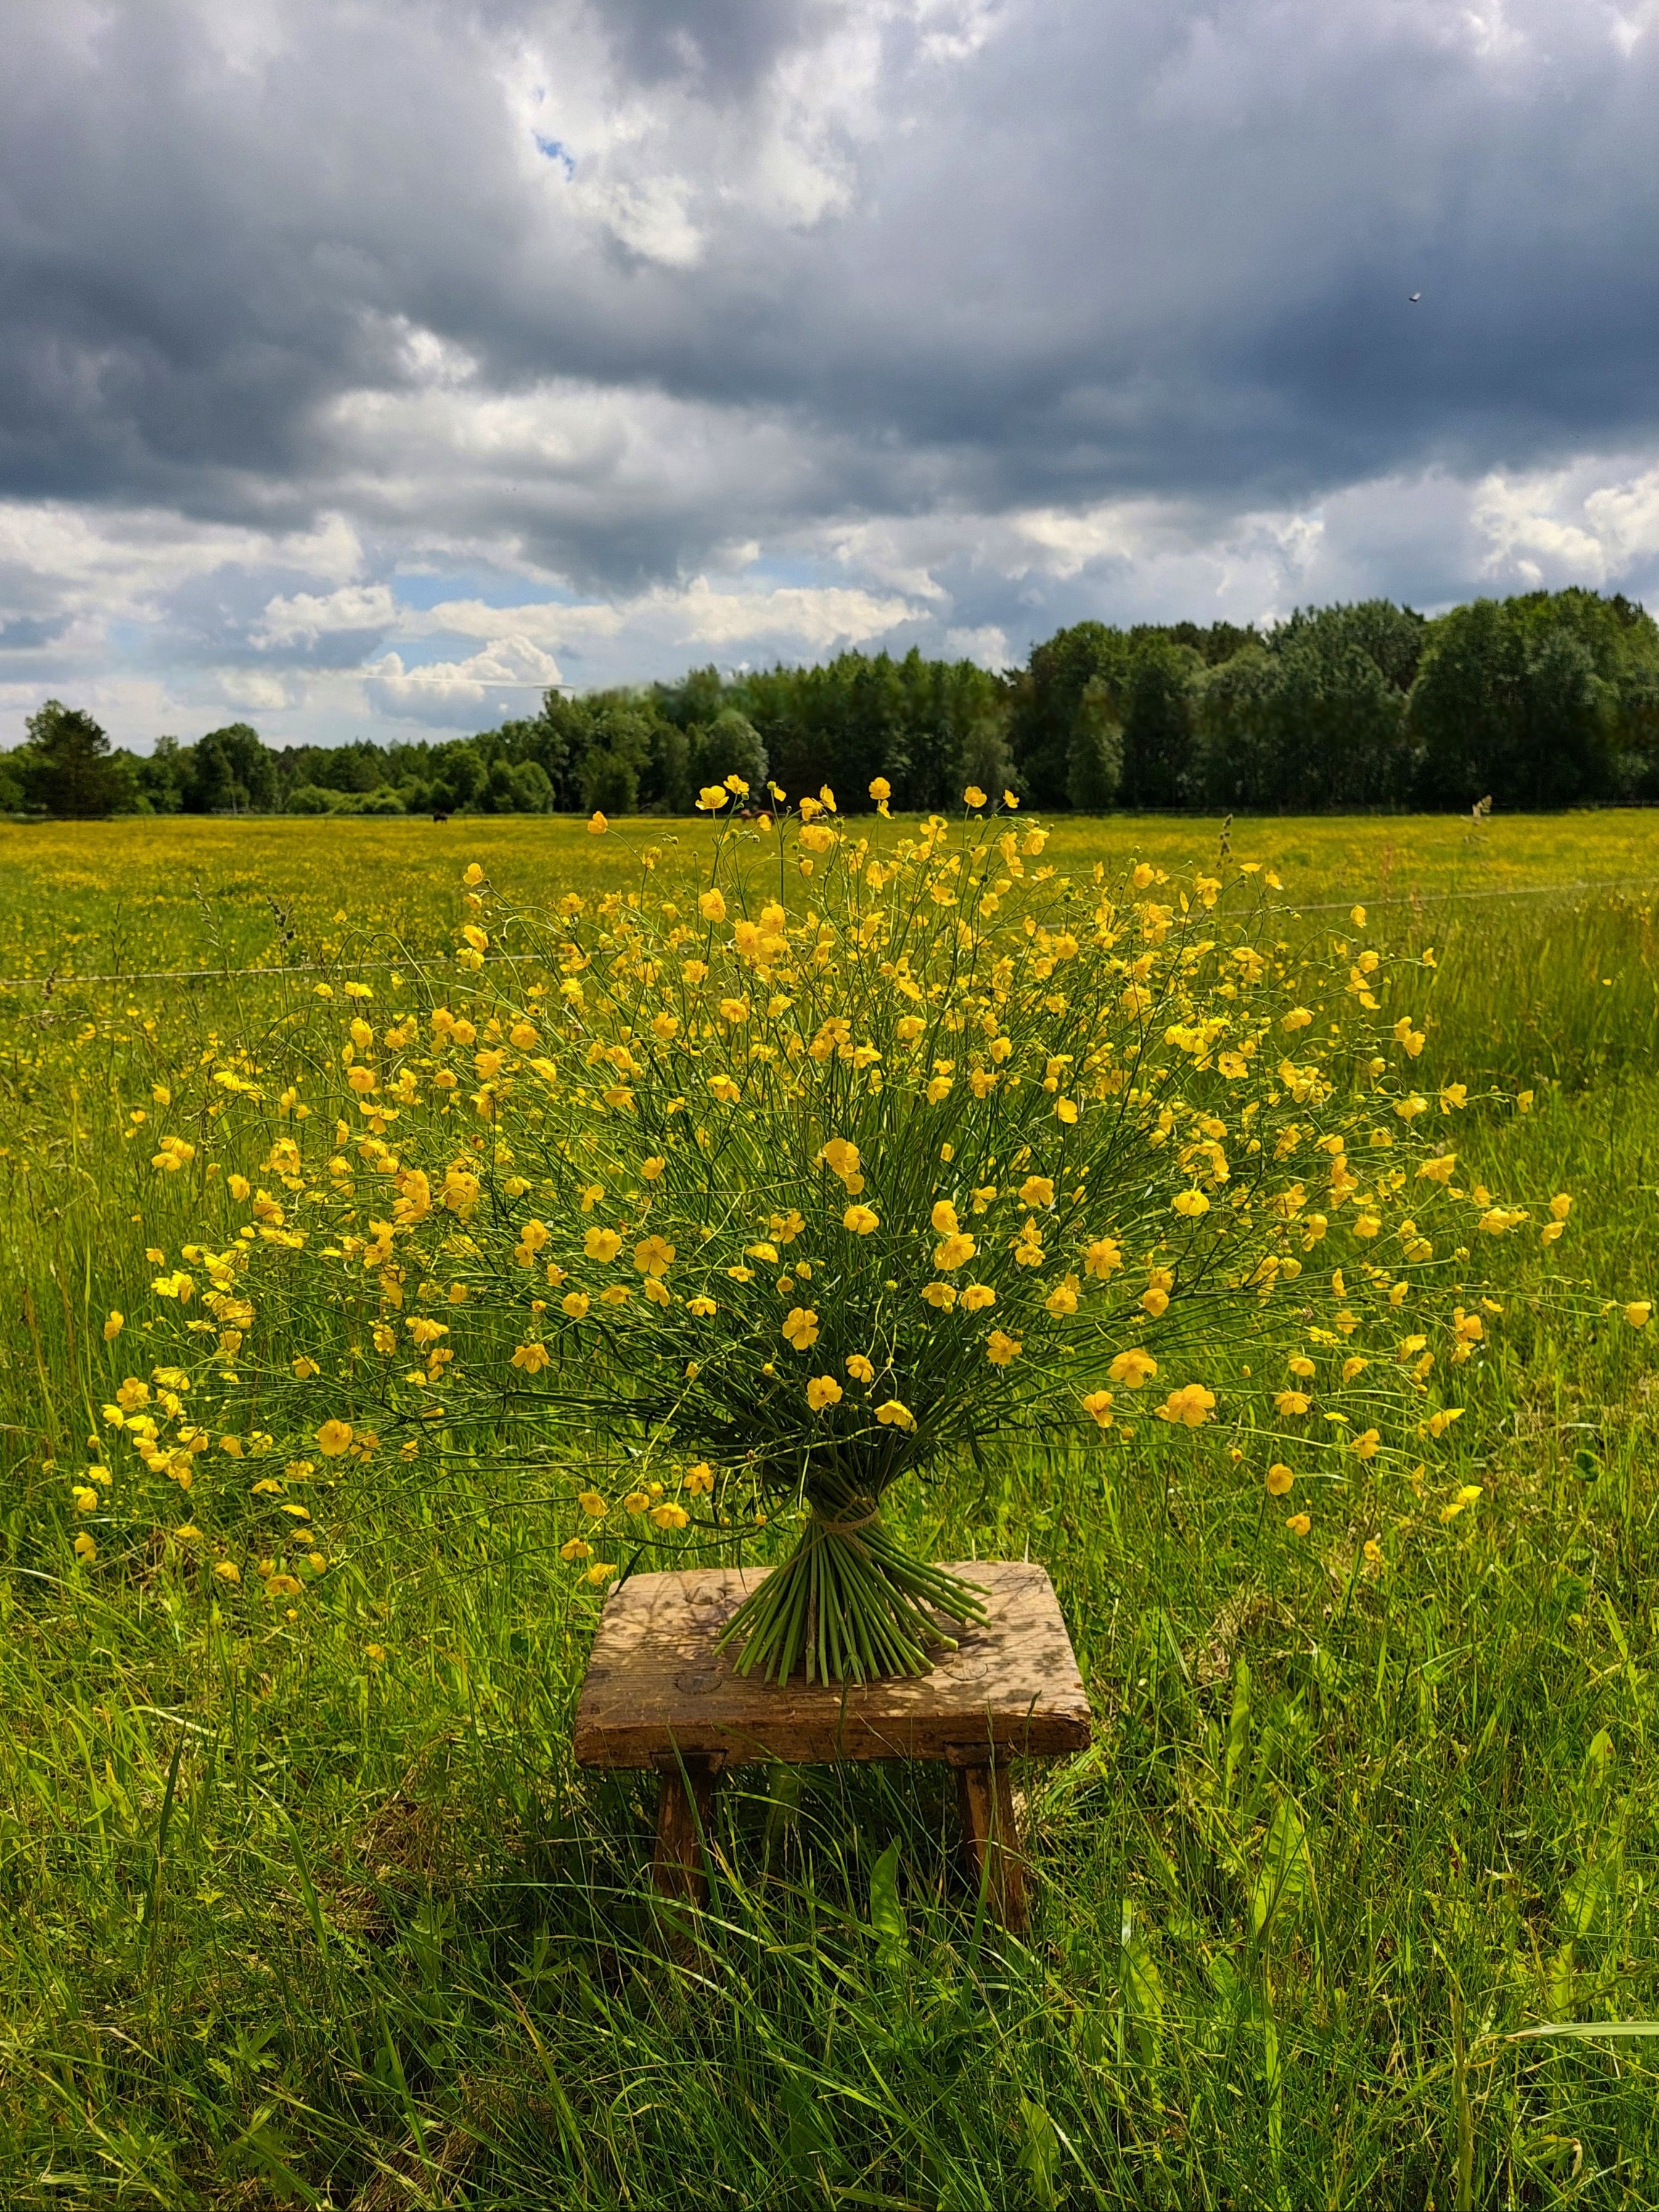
(306, 1905)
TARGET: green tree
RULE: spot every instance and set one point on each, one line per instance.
(610, 782)
(1509, 705)
(163, 774)
(231, 771)
(1049, 698)
(730, 745)
(1156, 700)
(66, 767)
(532, 788)
(1095, 766)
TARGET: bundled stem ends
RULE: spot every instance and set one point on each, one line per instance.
(850, 1603)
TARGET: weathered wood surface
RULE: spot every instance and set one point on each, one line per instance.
(657, 1687)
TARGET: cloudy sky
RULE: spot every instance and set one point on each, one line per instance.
(366, 364)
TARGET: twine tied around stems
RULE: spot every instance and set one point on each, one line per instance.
(846, 1527)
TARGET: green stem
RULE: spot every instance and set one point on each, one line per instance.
(850, 1604)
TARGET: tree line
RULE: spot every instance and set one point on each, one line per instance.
(1539, 701)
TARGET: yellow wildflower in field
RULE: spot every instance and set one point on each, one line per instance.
(1189, 1407)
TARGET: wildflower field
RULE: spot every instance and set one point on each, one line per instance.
(366, 1315)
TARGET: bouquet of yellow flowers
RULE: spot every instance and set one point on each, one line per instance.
(837, 1162)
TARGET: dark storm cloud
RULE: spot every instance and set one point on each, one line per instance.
(1120, 247)
(725, 44)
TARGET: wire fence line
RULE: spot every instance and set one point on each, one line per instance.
(53, 977)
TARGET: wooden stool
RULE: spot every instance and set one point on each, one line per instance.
(657, 1694)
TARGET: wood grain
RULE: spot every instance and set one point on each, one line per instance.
(656, 1686)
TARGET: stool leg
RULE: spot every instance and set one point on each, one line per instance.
(987, 1797)
(683, 1810)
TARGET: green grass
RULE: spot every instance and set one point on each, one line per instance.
(282, 1922)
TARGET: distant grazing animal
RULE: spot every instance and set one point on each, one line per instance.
(440, 818)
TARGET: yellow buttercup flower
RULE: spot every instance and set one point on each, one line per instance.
(532, 1357)
(1098, 1406)
(601, 1244)
(1470, 1494)
(860, 1219)
(860, 1369)
(654, 1256)
(800, 1328)
(1002, 1349)
(1639, 1312)
(334, 1438)
(1279, 1478)
(1190, 1406)
(823, 1392)
(893, 1415)
(1132, 1368)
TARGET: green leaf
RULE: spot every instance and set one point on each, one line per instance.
(886, 1915)
(806, 2133)
(1238, 1723)
(1284, 1874)
(1039, 2154)
(1143, 1989)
